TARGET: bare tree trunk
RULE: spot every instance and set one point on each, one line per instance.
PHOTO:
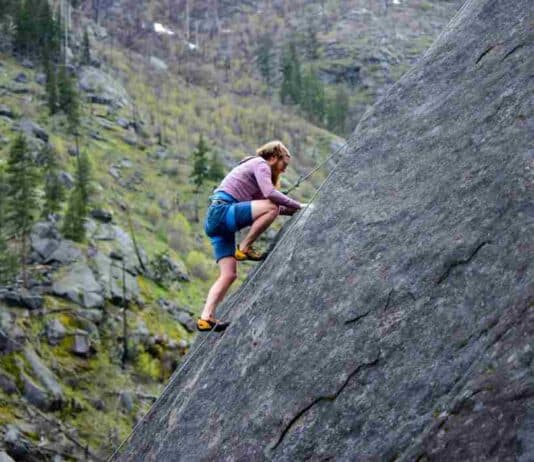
(187, 20)
(24, 272)
(96, 11)
(124, 319)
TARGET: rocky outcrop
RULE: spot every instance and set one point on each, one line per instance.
(395, 320)
(101, 88)
(77, 283)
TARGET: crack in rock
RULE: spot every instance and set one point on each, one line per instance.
(513, 50)
(484, 53)
(456, 263)
(323, 398)
(357, 318)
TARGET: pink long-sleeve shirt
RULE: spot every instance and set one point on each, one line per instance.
(251, 180)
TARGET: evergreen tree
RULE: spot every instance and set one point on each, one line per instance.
(200, 163)
(68, 99)
(51, 87)
(37, 32)
(8, 261)
(313, 97)
(216, 169)
(264, 58)
(78, 203)
(311, 42)
(336, 111)
(290, 90)
(23, 24)
(53, 188)
(86, 51)
(200, 170)
(22, 177)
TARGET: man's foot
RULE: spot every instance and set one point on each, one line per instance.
(249, 254)
(209, 324)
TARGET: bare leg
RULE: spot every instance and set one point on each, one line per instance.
(228, 274)
(264, 212)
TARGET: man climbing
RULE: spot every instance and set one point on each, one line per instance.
(247, 196)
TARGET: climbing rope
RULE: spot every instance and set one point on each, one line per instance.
(310, 173)
(241, 289)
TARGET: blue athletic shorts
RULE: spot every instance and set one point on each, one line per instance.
(223, 220)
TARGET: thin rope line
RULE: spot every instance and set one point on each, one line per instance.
(310, 173)
(241, 289)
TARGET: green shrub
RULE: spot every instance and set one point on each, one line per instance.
(198, 265)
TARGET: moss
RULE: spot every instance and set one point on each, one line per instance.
(148, 366)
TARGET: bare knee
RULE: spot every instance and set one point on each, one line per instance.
(274, 209)
(229, 277)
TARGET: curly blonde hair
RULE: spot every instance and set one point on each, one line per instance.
(277, 149)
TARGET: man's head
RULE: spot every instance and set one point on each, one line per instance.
(277, 156)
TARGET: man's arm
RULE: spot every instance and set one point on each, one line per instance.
(262, 173)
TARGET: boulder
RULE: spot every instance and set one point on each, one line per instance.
(31, 128)
(22, 297)
(4, 457)
(394, 321)
(6, 111)
(82, 345)
(45, 376)
(40, 78)
(21, 78)
(103, 216)
(55, 331)
(66, 179)
(101, 87)
(36, 394)
(77, 283)
(109, 275)
(46, 241)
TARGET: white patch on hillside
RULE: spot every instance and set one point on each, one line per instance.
(161, 29)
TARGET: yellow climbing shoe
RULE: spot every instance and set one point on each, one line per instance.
(208, 324)
(250, 254)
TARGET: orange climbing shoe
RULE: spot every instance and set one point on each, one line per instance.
(250, 254)
(208, 324)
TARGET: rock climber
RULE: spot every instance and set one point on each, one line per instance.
(247, 196)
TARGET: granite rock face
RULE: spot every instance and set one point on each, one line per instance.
(395, 321)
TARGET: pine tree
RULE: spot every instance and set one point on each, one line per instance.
(51, 87)
(86, 51)
(68, 99)
(8, 261)
(200, 170)
(78, 203)
(336, 111)
(23, 24)
(264, 58)
(22, 206)
(53, 188)
(313, 97)
(312, 44)
(216, 169)
(290, 90)
(200, 164)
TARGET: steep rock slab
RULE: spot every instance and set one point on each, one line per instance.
(397, 316)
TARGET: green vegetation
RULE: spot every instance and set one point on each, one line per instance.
(22, 205)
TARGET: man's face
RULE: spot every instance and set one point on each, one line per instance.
(282, 163)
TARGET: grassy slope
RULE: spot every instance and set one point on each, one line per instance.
(235, 125)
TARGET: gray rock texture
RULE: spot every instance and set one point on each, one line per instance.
(395, 321)
(77, 283)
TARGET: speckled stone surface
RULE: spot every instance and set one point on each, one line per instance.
(395, 321)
